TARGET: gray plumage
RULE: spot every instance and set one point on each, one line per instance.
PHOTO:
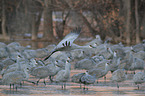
(140, 54)
(98, 58)
(118, 76)
(114, 62)
(60, 63)
(38, 53)
(42, 72)
(77, 54)
(14, 47)
(16, 76)
(3, 53)
(102, 64)
(138, 47)
(41, 53)
(65, 44)
(120, 51)
(86, 63)
(50, 47)
(87, 79)
(64, 75)
(2, 45)
(107, 53)
(101, 48)
(69, 38)
(139, 78)
(138, 64)
(76, 77)
(60, 55)
(99, 72)
(128, 60)
(95, 42)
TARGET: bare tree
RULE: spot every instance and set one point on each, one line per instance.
(36, 18)
(4, 33)
(137, 22)
(60, 26)
(34, 32)
(128, 6)
(48, 23)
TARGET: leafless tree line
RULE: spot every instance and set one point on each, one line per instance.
(121, 20)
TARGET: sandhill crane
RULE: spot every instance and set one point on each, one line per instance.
(99, 72)
(102, 47)
(13, 48)
(42, 72)
(16, 76)
(114, 62)
(128, 60)
(86, 63)
(39, 63)
(119, 48)
(139, 78)
(87, 79)
(107, 53)
(60, 63)
(118, 76)
(77, 54)
(140, 54)
(98, 58)
(138, 64)
(2, 45)
(138, 47)
(63, 75)
(13, 66)
(50, 47)
(60, 55)
(3, 53)
(38, 53)
(67, 41)
(95, 42)
(76, 78)
(8, 61)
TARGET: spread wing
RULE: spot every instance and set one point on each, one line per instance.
(70, 37)
(67, 41)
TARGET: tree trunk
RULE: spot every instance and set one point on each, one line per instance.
(87, 23)
(48, 23)
(128, 6)
(4, 21)
(91, 29)
(38, 21)
(60, 26)
(137, 22)
(34, 32)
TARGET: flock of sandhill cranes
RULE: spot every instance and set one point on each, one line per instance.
(97, 58)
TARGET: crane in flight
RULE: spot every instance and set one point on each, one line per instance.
(66, 43)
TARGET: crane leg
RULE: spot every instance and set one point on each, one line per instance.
(44, 82)
(64, 85)
(10, 86)
(38, 81)
(50, 77)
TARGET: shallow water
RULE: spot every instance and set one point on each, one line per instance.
(108, 88)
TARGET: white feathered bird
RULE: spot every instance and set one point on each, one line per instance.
(66, 42)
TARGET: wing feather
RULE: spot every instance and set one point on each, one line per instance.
(70, 37)
(67, 41)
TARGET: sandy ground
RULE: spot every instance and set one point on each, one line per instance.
(108, 88)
